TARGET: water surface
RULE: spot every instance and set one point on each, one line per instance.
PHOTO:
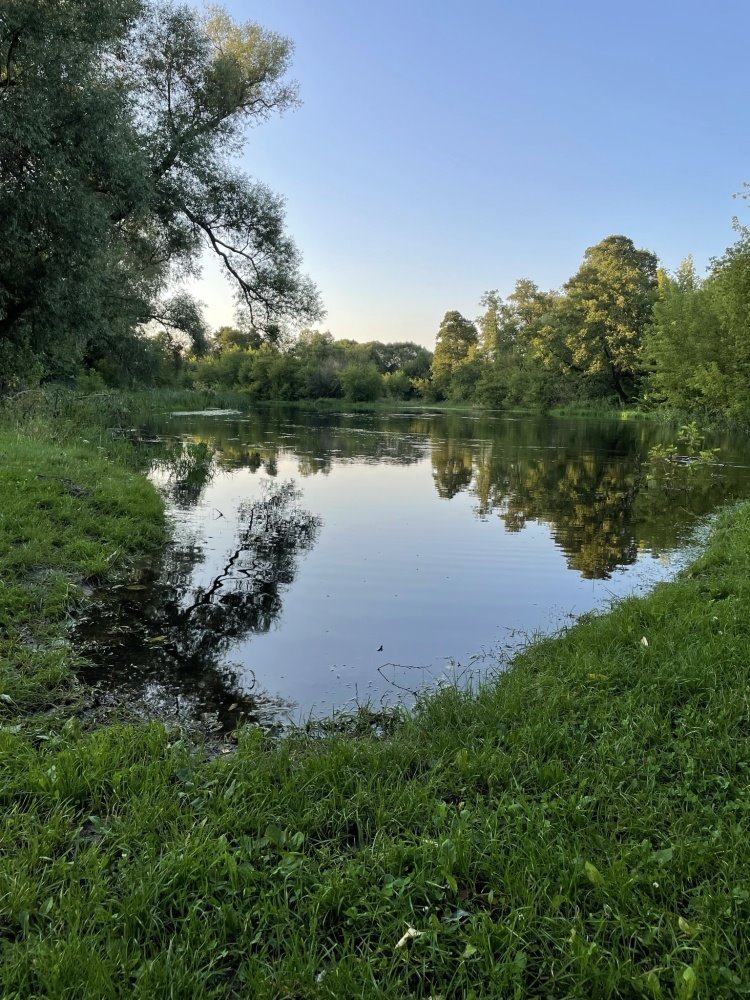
(305, 542)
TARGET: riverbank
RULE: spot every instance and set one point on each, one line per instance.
(108, 407)
(70, 516)
(207, 398)
(578, 827)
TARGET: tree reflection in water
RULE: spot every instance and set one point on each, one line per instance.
(170, 644)
(164, 645)
(587, 482)
(587, 501)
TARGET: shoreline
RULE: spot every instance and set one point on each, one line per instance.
(578, 824)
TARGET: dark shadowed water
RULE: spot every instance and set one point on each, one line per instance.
(305, 542)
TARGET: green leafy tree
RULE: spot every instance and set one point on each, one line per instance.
(489, 323)
(223, 370)
(118, 121)
(321, 361)
(514, 376)
(402, 356)
(697, 346)
(398, 385)
(457, 342)
(683, 341)
(270, 374)
(724, 379)
(465, 378)
(323, 381)
(230, 338)
(362, 383)
(68, 163)
(597, 328)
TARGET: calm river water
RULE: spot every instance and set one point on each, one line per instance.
(322, 561)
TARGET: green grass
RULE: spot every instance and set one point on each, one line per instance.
(68, 515)
(604, 408)
(577, 828)
(60, 412)
(384, 405)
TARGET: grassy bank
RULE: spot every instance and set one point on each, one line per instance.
(145, 403)
(69, 516)
(610, 412)
(69, 410)
(576, 829)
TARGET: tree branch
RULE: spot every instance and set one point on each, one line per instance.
(250, 294)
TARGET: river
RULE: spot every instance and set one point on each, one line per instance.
(325, 561)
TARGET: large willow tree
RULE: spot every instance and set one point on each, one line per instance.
(119, 120)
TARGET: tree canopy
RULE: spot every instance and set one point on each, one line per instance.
(597, 327)
(119, 120)
(698, 346)
(539, 348)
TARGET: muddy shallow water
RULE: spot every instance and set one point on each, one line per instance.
(321, 561)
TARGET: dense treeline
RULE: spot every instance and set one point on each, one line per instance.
(621, 331)
(314, 366)
(118, 123)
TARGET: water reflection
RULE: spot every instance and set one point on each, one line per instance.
(441, 529)
(189, 468)
(452, 466)
(318, 440)
(587, 500)
(175, 634)
(585, 479)
(587, 483)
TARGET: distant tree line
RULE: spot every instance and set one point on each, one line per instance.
(312, 366)
(621, 331)
(119, 120)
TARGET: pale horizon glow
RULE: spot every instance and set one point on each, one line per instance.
(439, 153)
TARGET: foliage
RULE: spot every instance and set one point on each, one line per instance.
(270, 374)
(403, 356)
(461, 385)
(489, 323)
(676, 466)
(362, 383)
(117, 126)
(697, 345)
(682, 343)
(540, 349)
(457, 342)
(398, 385)
(515, 376)
(221, 369)
(728, 376)
(621, 331)
(229, 337)
(597, 328)
(313, 366)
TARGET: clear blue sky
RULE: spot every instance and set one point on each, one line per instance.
(443, 149)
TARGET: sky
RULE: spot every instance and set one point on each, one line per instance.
(444, 149)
